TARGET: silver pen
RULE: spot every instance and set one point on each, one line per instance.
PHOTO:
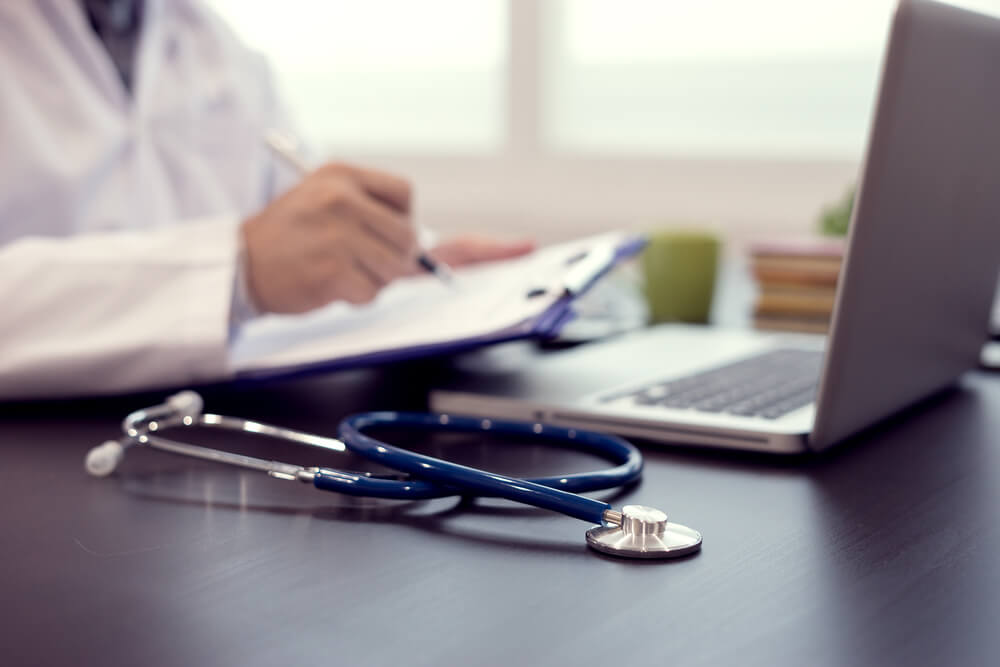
(284, 148)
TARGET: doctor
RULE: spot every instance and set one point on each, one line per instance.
(141, 218)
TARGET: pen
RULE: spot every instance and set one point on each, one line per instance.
(284, 148)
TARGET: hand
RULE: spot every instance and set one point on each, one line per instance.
(341, 234)
(467, 250)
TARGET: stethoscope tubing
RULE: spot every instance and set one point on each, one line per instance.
(636, 531)
(444, 478)
(425, 476)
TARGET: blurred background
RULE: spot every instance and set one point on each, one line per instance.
(556, 118)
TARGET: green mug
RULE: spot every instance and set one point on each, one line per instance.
(679, 270)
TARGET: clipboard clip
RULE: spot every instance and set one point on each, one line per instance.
(586, 267)
(578, 272)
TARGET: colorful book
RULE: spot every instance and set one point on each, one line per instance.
(795, 299)
(798, 283)
(817, 325)
(799, 261)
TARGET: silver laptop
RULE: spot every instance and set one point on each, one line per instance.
(913, 300)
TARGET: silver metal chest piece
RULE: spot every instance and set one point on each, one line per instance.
(643, 532)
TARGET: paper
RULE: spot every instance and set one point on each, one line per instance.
(487, 300)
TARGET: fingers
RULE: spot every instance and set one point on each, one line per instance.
(342, 234)
(341, 277)
(369, 241)
(471, 250)
(378, 261)
(385, 217)
(355, 269)
(356, 287)
(392, 190)
(496, 250)
(384, 223)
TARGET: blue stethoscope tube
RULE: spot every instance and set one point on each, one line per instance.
(437, 478)
(636, 531)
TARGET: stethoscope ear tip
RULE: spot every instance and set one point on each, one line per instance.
(186, 402)
(102, 460)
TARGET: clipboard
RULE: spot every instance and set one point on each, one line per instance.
(529, 297)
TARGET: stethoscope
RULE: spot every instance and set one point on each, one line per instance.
(635, 531)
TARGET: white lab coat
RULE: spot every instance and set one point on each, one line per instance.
(119, 213)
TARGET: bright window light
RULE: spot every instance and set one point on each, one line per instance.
(790, 78)
(385, 75)
(630, 78)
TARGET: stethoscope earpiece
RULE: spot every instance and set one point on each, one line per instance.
(102, 460)
(186, 402)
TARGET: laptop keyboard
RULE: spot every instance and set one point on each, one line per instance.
(768, 385)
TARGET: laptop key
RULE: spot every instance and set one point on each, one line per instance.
(768, 385)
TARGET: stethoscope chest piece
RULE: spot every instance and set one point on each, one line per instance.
(643, 532)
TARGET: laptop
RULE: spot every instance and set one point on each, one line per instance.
(913, 301)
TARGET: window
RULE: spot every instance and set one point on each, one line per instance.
(715, 77)
(385, 74)
(787, 78)
(553, 118)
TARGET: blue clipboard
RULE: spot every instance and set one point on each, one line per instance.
(581, 273)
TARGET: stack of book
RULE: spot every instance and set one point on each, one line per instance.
(797, 282)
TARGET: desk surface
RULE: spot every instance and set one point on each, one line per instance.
(886, 551)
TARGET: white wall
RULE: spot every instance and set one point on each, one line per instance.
(555, 197)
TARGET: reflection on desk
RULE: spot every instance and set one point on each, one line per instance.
(883, 552)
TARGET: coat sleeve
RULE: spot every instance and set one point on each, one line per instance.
(116, 311)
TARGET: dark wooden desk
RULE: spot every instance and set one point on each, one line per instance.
(885, 552)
